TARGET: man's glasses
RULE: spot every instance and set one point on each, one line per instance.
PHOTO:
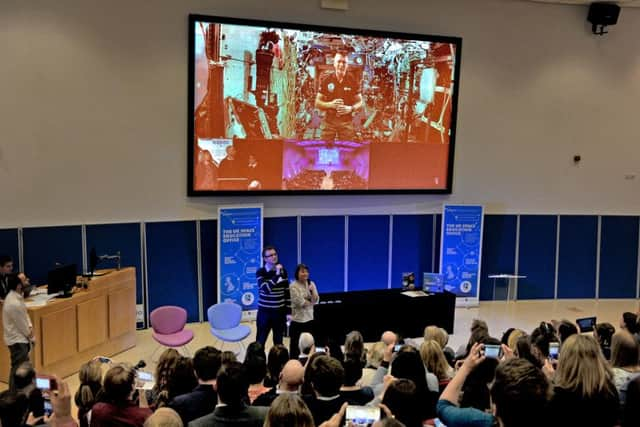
(270, 255)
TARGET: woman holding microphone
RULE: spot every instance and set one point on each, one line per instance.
(303, 297)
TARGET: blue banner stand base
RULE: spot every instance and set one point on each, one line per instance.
(462, 302)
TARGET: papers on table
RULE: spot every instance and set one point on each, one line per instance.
(414, 294)
(39, 299)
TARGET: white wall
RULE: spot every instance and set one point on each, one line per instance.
(93, 108)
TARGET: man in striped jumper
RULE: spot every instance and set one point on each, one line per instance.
(273, 299)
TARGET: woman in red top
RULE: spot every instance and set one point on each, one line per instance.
(116, 406)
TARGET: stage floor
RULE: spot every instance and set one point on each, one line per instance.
(499, 315)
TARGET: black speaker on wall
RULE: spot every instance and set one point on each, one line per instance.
(602, 14)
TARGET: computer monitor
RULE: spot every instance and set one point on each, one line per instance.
(62, 278)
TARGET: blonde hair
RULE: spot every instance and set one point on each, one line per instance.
(582, 367)
(437, 334)
(514, 336)
(434, 359)
(164, 417)
(90, 376)
(376, 354)
(288, 410)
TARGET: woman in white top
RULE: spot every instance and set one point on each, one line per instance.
(303, 297)
(625, 352)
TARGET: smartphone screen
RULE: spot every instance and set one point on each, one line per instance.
(320, 350)
(362, 416)
(48, 409)
(554, 349)
(492, 351)
(397, 347)
(43, 383)
(145, 376)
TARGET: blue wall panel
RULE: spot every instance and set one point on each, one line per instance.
(172, 266)
(537, 256)
(412, 247)
(618, 256)
(45, 246)
(111, 238)
(283, 234)
(323, 251)
(498, 250)
(577, 260)
(368, 266)
(9, 246)
(209, 252)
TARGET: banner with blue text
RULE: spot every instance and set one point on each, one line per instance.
(460, 249)
(239, 254)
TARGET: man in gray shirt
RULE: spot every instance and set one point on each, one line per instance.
(18, 331)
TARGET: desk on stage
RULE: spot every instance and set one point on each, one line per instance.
(70, 331)
(373, 312)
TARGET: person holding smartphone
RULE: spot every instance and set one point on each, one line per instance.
(304, 295)
(273, 296)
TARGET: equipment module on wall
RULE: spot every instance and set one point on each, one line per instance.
(602, 14)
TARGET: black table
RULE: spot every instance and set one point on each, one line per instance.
(373, 312)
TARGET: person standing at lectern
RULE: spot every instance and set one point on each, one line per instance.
(304, 296)
(273, 297)
(18, 331)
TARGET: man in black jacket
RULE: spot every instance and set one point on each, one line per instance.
(202, 400)
(231, 410)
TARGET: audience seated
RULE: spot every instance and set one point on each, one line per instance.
(523, 387)
(164, 417)
(374, 358)
(584, 391)
(90, 376)
(255, 363)
(326, 377)
(512, 340)
(631, 408)
(306, 345)
(289, 410)
(475, 391)
(232, 410)
(116, 406)
(164, 369)
(441, 336)
(479, 331)
(565, 329)
(277, 358)
(14, 407)
(629, 322)
(24, 381)
(603, 333)
(389, 337)
(182, 381)
(350, 390)
(402, 399)
(435, 361)
(228, 356)
(291, 378)
(625, 352)
(519, 394)
(354, 347)
(407, 364)
(203, 398)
